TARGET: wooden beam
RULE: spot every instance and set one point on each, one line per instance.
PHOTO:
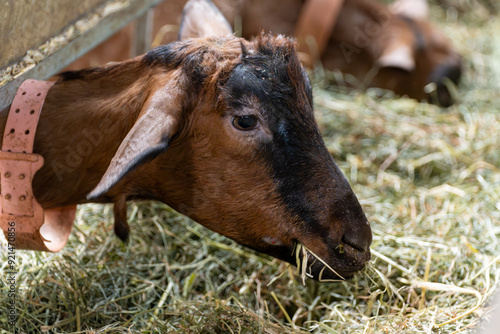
(76, 48)
(143, 29)
(24, 25)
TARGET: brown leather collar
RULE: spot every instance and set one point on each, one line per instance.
(315, 27)
(22, 218)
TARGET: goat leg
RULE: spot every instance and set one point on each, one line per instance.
(120, 211)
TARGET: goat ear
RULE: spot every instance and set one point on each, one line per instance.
(398, 56)
(201, 18)
(413, 9)
(148, 138)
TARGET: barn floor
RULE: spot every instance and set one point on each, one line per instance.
(428, 179)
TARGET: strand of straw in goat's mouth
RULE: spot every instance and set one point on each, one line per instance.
(301, 269)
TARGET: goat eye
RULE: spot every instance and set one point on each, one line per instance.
(245, 123)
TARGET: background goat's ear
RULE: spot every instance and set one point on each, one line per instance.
(201, 18)
(413, 9)
(148, 138)
(398, 56)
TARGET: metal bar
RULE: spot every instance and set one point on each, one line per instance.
(141, 40)
(75, 49)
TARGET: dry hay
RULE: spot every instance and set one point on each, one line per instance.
(429, 182)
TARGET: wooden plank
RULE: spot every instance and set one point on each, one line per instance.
(67, 54)
(142, 38)
(25, 25)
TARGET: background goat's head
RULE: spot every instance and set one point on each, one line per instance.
(245, 157)
(397, 48)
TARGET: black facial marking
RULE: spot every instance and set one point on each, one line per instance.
(282, 131)
(276, 78)
(308, 87)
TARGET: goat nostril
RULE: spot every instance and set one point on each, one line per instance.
(359, 239)
(441, 89)
(452, 72)
(353, 243)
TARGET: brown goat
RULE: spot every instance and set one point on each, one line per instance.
(392, 47)
(221, 129)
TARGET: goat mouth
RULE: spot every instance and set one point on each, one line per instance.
(342, 262)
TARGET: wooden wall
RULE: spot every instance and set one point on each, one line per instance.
(26, 24)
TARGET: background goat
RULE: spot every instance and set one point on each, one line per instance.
(393, 47)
